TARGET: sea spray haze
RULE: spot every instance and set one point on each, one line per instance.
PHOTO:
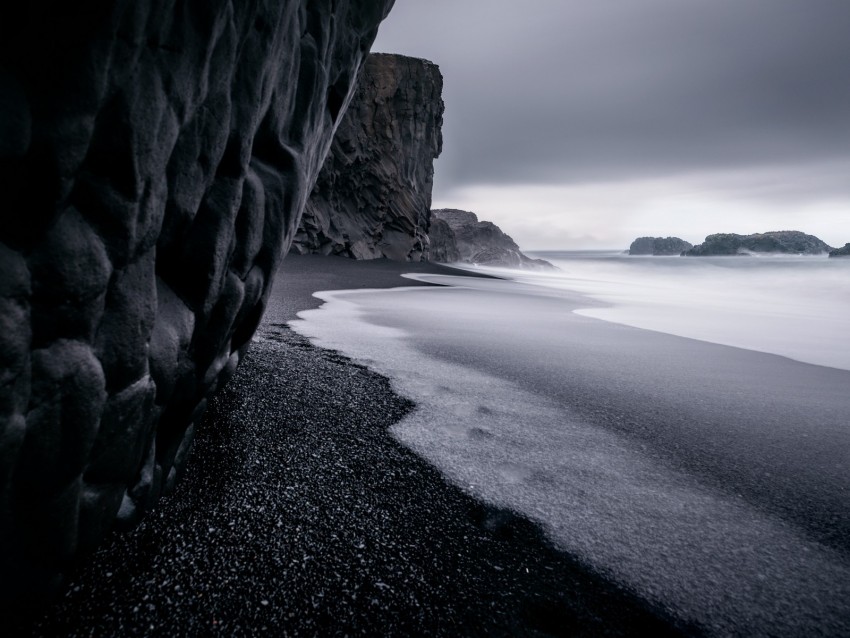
(795, 306)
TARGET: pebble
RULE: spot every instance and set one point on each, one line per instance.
(291, 463)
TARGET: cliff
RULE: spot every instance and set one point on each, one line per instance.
(442, 243)
(373, 195)
(659, 246)
(476, 242)
(154, 162)
(844, 251)
(783, 241)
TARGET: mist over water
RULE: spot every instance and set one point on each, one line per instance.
(794, 306)
(710, 480)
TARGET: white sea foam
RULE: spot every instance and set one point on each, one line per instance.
(706, 556)
(794, 306)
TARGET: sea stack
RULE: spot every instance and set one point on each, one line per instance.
(373, 196)
(659, 246)
(782, 242)
(155, 165)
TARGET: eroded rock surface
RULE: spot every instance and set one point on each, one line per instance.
(476, 242)
(155, 158)
(659, 246)
(442, 242)
(782, 241)
(373, 195)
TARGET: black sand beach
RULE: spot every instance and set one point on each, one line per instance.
(299, 514)
(709, 478)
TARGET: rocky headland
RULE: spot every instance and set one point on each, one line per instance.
(155, 160)
(783, 241)
(372, 198)
(844, 251)
(459, 233)
(373, 195)
(659, 246)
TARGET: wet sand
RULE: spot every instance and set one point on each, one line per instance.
(711, 479)
(299, 514)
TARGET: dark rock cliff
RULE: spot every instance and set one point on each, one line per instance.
(659, 246)
(844, 251)
(782, 241)
(373, 195)
(155, 158)
(476, 242)
(442, 242)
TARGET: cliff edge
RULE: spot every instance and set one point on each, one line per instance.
(373, 195)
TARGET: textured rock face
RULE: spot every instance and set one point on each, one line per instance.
(659, 246)
(477, 242)
(844, 251)
(154, 160)
(442, 243)
(782, 241)
(373, 195)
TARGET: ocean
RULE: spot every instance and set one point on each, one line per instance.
(795, 306)
(678, 424)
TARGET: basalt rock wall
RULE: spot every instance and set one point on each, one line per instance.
(155, 157)
(441, 242)
(373, 196)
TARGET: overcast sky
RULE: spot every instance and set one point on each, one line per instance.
(586, 123)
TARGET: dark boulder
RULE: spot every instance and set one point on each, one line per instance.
(481, 243)
(783, 242)
(373, 196)
(155, 158)
(844, 251)
(659, 246)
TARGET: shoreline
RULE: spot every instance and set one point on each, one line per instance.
(733, 301)
(299, 512)
(708, 478)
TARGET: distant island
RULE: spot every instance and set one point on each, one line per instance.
(782, 241)
(659, 246)
(844, 251)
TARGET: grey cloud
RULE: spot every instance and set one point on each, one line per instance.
(561, 91)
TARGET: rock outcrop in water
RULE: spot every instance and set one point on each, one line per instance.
(783, 241)
(373, 195)
(155, 158)
(844, 251)
(476, 242)
(659, 246)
